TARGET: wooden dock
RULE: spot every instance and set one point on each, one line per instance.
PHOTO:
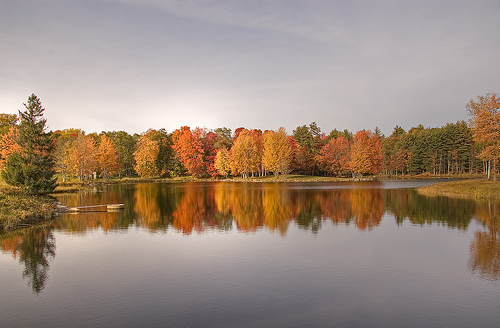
(93, 208)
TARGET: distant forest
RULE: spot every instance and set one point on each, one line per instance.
(456, 148)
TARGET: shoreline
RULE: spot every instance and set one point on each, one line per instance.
(469, 189)
(19, 210)
(75, 186)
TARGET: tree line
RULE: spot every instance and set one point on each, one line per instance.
(456, 148)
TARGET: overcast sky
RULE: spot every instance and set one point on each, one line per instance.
(132, 65)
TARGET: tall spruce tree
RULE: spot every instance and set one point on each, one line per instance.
(33, 167)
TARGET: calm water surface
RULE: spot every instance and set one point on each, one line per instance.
(257, 255)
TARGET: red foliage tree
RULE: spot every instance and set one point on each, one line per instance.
(334, 157)
(210, 152)
(188, 146)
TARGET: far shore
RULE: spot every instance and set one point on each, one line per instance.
(75, 185)
(471, 189)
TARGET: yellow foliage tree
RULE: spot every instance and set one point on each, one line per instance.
(245, 155)
(145, 157)
(222, 162)
(277, 153)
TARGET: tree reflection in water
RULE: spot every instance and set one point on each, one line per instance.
(34, 247)
(485, 248)
(189, 208)
(194, 207)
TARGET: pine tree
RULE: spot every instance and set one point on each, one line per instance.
(33, 167)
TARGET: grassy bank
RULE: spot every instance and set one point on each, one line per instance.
(473, 189)
(18, 209)
(74, 185)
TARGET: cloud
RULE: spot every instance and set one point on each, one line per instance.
(131, 65)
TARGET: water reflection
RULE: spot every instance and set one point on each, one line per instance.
(193, 208)
(34, 247)
(409, 205)
(485, 248)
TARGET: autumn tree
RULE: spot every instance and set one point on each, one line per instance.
(83, 156)
(334, 157)
(245, 154)
(189, 149)
(222, 162)
(8, 145)
(485, 125)
(145, 156)
(210, 152)
(277, 153)
(259, 142)
(375, 152)
(237, 133)
(32, 168)
(366, 153)
(107, 157)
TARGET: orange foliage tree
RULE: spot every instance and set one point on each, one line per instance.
(485, 125)
(189, 149)
(366, 153)
(83, 156)
(107, 157)
(8, 145)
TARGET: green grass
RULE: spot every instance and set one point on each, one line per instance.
(474, 189)
(18, 209)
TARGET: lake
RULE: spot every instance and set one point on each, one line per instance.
(227, 254)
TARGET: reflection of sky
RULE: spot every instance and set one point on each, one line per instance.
(389, 184)
(393, 273)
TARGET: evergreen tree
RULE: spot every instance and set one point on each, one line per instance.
(33, 167)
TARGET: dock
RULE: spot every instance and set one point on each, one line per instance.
(93, 208)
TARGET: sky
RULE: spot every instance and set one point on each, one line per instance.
(132, 65)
